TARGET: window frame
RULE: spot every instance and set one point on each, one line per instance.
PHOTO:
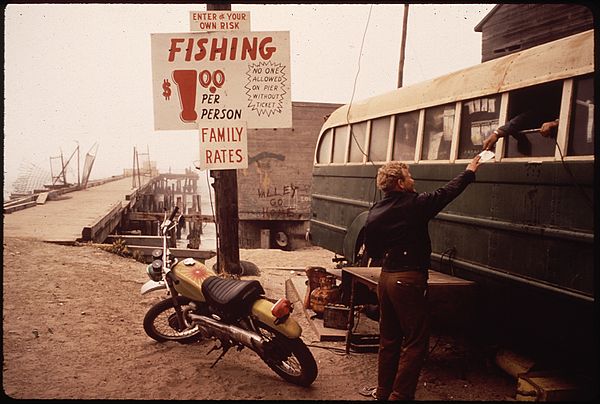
(421, 133)
(562, 137)
(387, 142)
(363, 149)
(564, 131)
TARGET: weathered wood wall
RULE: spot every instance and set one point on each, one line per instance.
(510, 28)
(274, 191)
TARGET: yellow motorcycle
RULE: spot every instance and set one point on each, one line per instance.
(235, 313)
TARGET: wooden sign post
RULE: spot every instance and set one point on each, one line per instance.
(226, 196)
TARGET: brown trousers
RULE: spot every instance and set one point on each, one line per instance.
(403, 333)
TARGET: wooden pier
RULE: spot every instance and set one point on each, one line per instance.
(77, 215)
(92, 214)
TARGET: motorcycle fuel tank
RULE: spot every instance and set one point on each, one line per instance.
(191, 274)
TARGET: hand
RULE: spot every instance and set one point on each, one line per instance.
(548, 128)
(491, 140)
(474, 164)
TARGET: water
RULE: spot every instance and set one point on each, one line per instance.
(208, 238)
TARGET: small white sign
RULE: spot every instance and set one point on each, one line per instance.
(223, 145)
(219, 20)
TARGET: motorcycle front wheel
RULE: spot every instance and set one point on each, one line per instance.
(161, 322)
(289, 358)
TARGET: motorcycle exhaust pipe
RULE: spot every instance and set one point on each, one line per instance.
(217, 329)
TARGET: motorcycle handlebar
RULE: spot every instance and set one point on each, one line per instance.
(168, 222)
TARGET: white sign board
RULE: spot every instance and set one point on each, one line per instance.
(223, 146)
(222, 76)
(219, 20)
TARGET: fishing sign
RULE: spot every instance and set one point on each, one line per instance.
(216, 77)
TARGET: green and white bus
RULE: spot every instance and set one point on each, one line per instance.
(527, 223)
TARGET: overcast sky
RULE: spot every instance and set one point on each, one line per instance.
(81, 73)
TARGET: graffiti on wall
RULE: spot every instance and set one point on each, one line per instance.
(279, 193)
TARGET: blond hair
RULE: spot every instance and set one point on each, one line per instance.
(389, 174)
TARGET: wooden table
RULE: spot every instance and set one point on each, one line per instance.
(447, 294)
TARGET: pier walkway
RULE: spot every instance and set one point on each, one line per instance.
(81, 215)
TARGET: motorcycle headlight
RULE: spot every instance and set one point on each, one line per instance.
(154, 270)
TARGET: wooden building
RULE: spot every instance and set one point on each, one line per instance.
(510, 28)
(274, 201)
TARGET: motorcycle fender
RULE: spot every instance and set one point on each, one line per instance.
(151, 286)
(262, 310)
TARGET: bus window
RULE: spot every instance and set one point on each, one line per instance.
(324, 153)
(340, 137)
(357, 142)
(437, 135)
(581, 139)
(541, 104)
(380, 133)
(479, 118)
(405, 136)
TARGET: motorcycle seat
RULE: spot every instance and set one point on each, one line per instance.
(230, 293)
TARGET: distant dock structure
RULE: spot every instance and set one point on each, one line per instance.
(128, 206)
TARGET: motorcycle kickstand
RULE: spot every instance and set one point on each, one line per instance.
(224, 347)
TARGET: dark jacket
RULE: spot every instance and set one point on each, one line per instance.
(398, 224)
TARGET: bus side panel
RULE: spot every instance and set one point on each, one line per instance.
(339, 195)
(527, 220)
(533, 221)
(326, 229)
(561, 263)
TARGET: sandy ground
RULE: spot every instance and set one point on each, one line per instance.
(72, 329)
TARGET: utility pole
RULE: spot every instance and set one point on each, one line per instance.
(403, 45)
(226, 196)
(133, 169)
(78, 176)
(64, 171)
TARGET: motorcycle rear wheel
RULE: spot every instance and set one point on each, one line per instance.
(289, 358)
(160, 322)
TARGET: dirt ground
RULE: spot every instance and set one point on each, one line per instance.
(72, 329)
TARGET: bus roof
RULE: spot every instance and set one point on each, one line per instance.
(556, 60)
